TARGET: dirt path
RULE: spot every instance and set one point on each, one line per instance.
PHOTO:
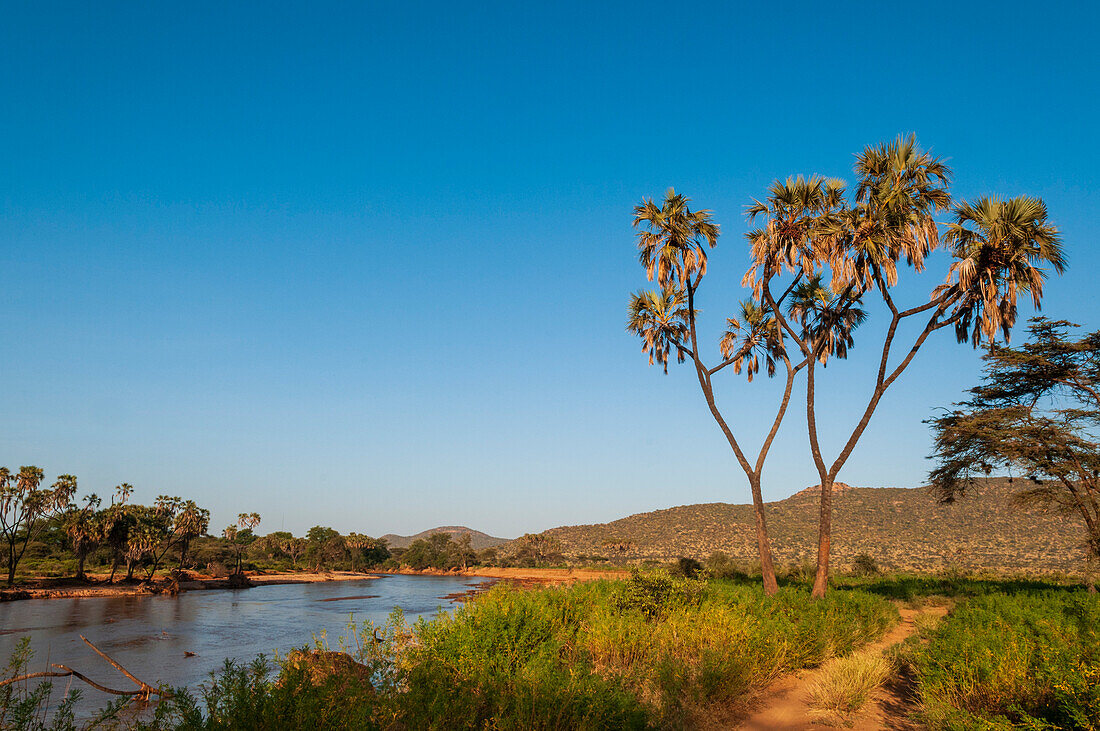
(783, 706)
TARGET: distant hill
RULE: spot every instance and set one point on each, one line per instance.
(478, 540)
(902, 528)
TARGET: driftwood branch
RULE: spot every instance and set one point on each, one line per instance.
(143, 691)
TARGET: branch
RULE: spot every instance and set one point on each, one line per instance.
(145, 687)
(143, 692)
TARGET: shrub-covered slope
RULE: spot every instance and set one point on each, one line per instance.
(901, 528)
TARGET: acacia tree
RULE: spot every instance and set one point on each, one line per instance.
(998, 249)
(26, 508)
(1037, 410)
(293, 547)
(673, 242)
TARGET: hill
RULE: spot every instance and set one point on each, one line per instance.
(478, 540)
(903, 529)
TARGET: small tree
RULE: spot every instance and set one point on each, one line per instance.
(293, 547)
(26, 509)
(324, 546)
(536, 549)
(1037, 410)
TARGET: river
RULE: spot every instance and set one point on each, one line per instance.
(149, 635)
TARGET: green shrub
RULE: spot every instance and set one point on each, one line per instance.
(655, 593)
(865, 565)
(1024, 661)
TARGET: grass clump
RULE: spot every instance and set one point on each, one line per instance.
(1012, 661)
(845, 684)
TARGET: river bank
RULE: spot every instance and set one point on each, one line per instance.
(541, 576)
(96, 586)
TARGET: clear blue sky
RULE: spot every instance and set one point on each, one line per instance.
(366, 265)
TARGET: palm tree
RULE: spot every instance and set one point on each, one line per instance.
(660, 320)
(860, 244)
(84, 529)
(26, 509)
(673, 241)
(240, 535)
(999, 247)
(190, 523)
(673, 244)
(117, 522)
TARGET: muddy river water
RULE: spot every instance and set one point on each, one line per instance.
(180, 640)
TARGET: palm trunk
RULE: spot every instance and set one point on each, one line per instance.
(114, 568)
(80, 557)
(824, 539)
(763, 544)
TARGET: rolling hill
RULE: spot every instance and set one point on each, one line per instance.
(903, 529)
(478, 540)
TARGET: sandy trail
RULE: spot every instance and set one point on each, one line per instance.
(783, 706)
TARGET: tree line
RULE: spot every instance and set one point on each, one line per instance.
(49, 528)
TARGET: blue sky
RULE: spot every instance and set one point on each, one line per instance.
(367, 265)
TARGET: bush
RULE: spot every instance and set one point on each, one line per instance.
(721, 566)
(1023, 661)
(865, 565)
(655, 594)
(688, 568)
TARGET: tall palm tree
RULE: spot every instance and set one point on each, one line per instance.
(190, 523)
(84, 529)
(673, 241)
(860, 244)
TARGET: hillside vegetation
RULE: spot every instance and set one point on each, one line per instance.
(478, 540)
(903, 529)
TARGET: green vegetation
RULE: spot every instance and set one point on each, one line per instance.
(1029, 660)
(653, 651)
(48, 535)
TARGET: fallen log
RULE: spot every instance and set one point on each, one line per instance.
(144, 690)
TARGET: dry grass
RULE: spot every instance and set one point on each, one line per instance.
(844, 685)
